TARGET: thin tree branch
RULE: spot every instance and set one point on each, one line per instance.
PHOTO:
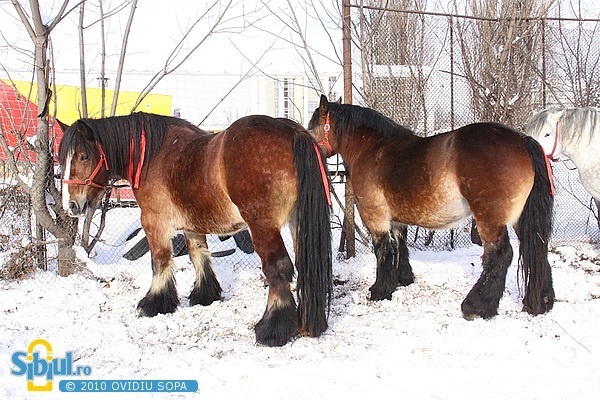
(113, 107)
(24, 19)
(168, 69)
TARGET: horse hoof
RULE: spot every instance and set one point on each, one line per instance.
(470, 310)
(406, 280)
(205, 297)
(541, 307)
(378, 294)
(277, 327)
(153, 304)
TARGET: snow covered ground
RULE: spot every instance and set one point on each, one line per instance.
(416, 346)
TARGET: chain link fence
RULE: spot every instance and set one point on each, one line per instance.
(434, 72)
(16, 248)
(413, 67)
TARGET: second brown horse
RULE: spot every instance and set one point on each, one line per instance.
(487, 170)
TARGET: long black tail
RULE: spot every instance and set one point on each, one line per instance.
(534, 229)
(313, 237)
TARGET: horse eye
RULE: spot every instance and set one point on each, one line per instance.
(547, 134)
(83, 157)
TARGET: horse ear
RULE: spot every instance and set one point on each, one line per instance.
(62, 125)
(324, 105)
(85, 130)
(555, 115)
(339, 101)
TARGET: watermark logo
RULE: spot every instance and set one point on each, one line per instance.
(40, 367)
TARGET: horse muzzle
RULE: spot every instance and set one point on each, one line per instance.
(77, 208)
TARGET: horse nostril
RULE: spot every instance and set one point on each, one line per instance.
(73, 207)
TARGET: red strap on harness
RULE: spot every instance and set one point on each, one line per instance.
(550, 157)
(135, 180)
(323, 175)
(550, 177)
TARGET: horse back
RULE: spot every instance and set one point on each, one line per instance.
(258, 165)
(200, 179)
(492, 150)
(437, 181)
(494, 170)
(182, 183)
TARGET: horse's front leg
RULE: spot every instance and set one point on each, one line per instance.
(206, 287)
(162, 297)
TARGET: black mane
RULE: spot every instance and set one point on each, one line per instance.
(114, 135)
(349, 118)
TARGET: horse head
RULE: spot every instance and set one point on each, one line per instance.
(544, 127)
(84, 169)
(320, 127)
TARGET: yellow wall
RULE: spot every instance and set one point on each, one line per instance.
(68, 100)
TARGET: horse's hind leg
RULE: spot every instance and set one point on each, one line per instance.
(162, 297)
(280, 320)
(206, 287)
(405, 273)
(484, 297)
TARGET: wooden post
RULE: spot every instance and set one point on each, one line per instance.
(349, 193)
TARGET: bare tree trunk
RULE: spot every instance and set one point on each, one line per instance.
(349, 224)
(41, 253)
(43, 173)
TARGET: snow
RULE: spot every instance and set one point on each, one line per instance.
(416, 346)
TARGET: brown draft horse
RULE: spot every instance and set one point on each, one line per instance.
(259, 173)
(487, 170)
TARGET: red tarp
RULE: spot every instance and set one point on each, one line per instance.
(18, 119)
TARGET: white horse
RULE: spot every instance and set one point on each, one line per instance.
(574, 132)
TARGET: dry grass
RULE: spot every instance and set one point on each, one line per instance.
(19, 264)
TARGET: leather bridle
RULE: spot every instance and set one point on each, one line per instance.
(551, 155)
(90, 181)
(325, 141)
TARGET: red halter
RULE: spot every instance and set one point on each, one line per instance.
(325, 141)
(551, 155)
(90, 181)
(134, 178)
